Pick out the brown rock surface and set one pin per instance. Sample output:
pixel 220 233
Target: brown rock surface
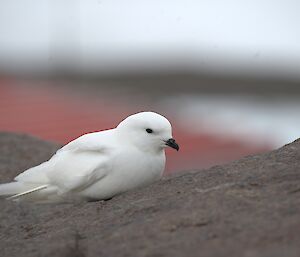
pixel 249 207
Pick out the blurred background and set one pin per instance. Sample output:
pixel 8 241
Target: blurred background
pixel 226 73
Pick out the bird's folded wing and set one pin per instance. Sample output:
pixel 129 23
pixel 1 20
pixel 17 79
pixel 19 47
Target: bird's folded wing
pixel 68 171
pixel 72 168
pixel 68 181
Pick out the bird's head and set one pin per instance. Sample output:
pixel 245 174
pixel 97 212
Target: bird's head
pixel 148 131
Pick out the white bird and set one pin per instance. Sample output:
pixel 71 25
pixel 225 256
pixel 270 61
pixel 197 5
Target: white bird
pixel 100 165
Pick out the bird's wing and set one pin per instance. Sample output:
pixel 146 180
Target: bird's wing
pixel 74 167
pixel 75 171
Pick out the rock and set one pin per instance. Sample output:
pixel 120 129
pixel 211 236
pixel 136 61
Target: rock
pixel 249 207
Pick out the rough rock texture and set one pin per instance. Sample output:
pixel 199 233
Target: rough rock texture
pixel 250 208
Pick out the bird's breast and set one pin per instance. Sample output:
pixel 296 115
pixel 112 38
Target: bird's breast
pixel 140 168
pixel 129 170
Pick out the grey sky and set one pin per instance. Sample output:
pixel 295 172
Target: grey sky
pixel 207 34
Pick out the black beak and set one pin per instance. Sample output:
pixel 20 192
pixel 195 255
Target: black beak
pixel 172 143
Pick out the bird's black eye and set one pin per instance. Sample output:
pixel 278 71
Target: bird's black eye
pixel 149 130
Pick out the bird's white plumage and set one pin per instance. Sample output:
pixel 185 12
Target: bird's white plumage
pixel 98 165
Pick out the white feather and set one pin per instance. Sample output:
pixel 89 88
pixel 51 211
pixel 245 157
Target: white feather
pixel 98 165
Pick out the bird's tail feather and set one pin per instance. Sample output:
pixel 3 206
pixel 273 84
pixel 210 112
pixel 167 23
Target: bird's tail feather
pixel 16 196
pixel 18 189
